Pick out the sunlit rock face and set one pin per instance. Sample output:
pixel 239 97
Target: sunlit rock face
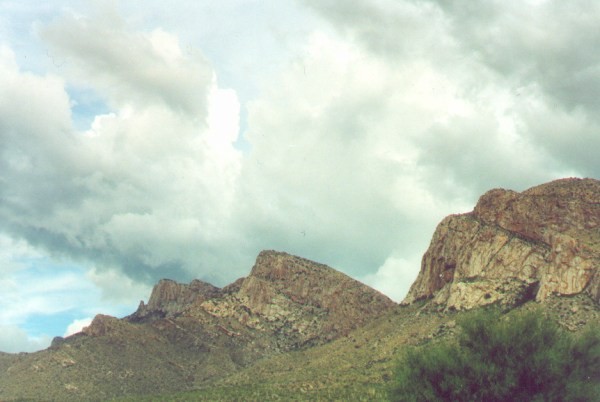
pixel 516 246
pixel 319 301
pixel 297 301
pixel 170 298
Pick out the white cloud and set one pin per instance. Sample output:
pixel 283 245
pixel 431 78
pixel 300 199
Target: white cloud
pixel 223 117
pixel 148 187
pixel 25 294
pixel 39 295
pixel 117 288
pixel 13 255
pixel 131 67
pixel 390 115
pixel 49 291
pixel 77 325
pixel 30 292
pixel 14 339
pixel 336 152
pixel 394 277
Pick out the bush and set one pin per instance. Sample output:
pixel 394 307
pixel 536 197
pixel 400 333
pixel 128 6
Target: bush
pixel 522 357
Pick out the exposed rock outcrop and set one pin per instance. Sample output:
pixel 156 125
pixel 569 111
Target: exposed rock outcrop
pixel 296 291
pixel 299 302
pixel 515 246
pixel 170 298
pixel 101 325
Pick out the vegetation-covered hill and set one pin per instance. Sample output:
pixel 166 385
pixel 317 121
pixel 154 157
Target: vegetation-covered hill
pixel 362 365
pixel 191 334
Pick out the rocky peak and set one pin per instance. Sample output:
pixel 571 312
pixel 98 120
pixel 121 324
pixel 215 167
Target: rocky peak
pixel 569 206
pixel 308 283
pixel 169 297
pixel 102 325
pixel 296 300
pixel 277 266
pixel 543 241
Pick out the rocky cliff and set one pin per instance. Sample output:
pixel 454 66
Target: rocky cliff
pixel 516 246
pixel 299 301
pixel 169 298
pixel 281 286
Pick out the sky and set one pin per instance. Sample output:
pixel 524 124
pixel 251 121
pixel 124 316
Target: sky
pixel 142 140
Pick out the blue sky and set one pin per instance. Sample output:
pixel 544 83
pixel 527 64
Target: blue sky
pixel 140 141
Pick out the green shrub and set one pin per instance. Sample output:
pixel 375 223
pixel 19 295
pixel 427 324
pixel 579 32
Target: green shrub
pixel 522 357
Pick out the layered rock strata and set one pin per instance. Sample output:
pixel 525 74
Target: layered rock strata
pixel 516 246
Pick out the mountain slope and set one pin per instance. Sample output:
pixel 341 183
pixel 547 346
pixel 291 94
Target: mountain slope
pixel 532 250
pixel 188 334
pixel 296 329
pixel 360 366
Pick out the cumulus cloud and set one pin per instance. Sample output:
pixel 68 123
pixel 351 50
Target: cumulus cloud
pixel 131 67
pixel 468 98
pixel 550 43
pixel 14 339
pixel 41 297
pixel 53 292
pixel 393 277
pixel 148 186
pixel 32 295
pixel 77 325
pixel 333 171
pixel 391 29
pixel 391 115
pixel 545 51
pixel 118 288
pixel 520 67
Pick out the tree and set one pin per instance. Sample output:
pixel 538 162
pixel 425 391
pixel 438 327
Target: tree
pixel 518 357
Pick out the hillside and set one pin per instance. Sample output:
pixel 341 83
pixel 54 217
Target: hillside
pixel 359 367
pixel 296 329
pixel 189 334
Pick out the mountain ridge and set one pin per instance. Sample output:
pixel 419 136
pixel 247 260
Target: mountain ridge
pixel 305 327
pixel 188 334
pixel 277 281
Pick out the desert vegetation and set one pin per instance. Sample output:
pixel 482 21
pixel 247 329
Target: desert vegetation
pixel 519 357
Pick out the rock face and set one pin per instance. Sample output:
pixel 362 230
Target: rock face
pixel 516 246
pixel 169 298
pixel 297 301
pixel 295 291
pixel 102 325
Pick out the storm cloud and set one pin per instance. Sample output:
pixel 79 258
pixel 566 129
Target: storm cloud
pixel 346 132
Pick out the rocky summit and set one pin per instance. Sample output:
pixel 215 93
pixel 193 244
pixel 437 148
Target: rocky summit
pixel 516 246
pixel 298 301
pixel 188 334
